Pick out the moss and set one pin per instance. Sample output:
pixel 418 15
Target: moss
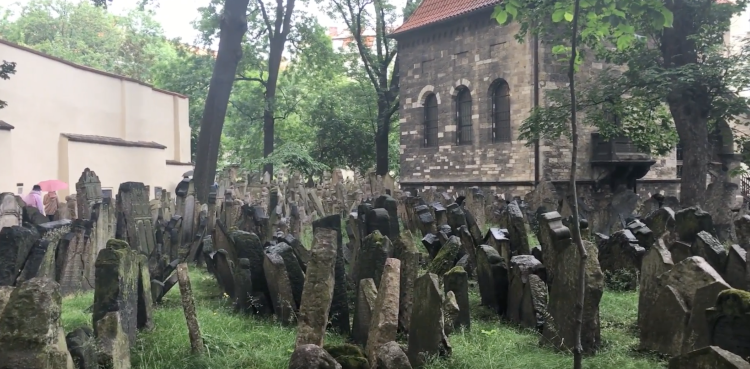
pixel 733 302
pixel 116 244
pixel 344 350
pixel 457 269
pixel 353 362
pixel 445 258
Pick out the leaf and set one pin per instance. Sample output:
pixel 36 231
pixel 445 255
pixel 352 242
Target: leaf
pixel 568 17
pixel 668 17
pixel 511 10
pixel 558 15
pixel 501 16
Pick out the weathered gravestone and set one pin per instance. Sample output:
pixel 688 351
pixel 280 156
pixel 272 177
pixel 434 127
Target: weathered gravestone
pixel 16 243
pixel 729 322
pixel 446 257
pixel 661 222
pixel 31 334
pixel 340 305
pixel 691 221
pixel 77 256
pixel 391 206
pixel 372 255
pixel 450 312
pixel 492 276
pixel 11 213
pixel 5 292
pixel 515 223
pixel 735 272
pixel 317 294
pixel 384 319
pixel 457 281
pixel 561 257
pixel 666 328
pixel 527 292
pixel 642 233
pixel 88 193
pixel 113 345
pixel 366 296
pixel 409 255
pixel 742 229
pixel 392 356
pixel 709 248
pixel 134 218
pixel 118 276
pixel 293 269
pixel 82 346
pixel 426 333
pixel 622 254
pixel 710 357
pixel 248 246
pixel 280 287
pixel 656 262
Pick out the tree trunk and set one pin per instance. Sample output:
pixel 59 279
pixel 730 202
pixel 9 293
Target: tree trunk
pixel 689 104
pixel 576 223
pixel 381 145
pixel 233 27
pixel 278 35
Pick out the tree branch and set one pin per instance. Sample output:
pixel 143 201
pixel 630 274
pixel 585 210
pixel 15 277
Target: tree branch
pixel 266 19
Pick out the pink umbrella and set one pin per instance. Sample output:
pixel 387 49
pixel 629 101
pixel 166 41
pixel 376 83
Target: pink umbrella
pixel 53 185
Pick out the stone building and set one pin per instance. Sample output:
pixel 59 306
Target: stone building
pixel 466 87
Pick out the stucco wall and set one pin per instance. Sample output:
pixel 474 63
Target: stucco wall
pixel 7 184
pixel 48 97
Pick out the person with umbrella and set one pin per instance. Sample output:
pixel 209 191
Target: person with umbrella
pixel 50 199
pixel 34 198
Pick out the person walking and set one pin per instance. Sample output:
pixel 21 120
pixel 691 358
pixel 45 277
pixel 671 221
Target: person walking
pixel 50 205
pixel 34 198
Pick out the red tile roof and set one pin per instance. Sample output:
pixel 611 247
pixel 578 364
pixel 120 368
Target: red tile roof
pixel 433 11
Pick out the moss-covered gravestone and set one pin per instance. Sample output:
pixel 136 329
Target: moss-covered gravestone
pixel 492 276
pixel 409 256
pixel 280 287
pixel 446 257
pixel 457 281
pixel 117 276
pixel 372 255
pixel 366 296
pixel 426 333
pixel 729 322
pixel 527 292
pixel 16 243
pixel 709 248
pixel 31 335
pixel 691 221
pixel 318 292
pixel 661 222
pixel 340 304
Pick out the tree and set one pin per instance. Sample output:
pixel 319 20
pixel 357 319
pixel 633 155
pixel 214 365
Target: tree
pixel 380 64
pixel 233 28
pixel 605 23
pixel 6 69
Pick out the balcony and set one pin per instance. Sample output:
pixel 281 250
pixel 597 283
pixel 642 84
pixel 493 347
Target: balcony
pixel 619 159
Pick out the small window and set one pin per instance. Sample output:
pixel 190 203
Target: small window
pixel 678 151
pixel 463 117
pixel 431 121
pixel 679 171
pixel 501 113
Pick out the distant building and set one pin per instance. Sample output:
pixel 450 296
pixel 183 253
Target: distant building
pixel 343 39
pixel 466 87
pixel 62 118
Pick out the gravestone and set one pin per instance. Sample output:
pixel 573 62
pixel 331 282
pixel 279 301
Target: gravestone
pixel 735 272
pixel 456 217
pixel 642 233
pixel 11 213
pixel 742 229
pixel 294 271
pixel 561 257
pixel 384 319
pixel 31 334
pixel 661 222
pixel 77 272
pixel 317 294
pixel 710 357
pixel 492 276
pixel 729 322
pixel 5 292
pixel 392 356
pixel 704 299
pixel 656 262
pixel 709 248
pixel 391 206
pixel 516 226
pixel 621 252
pixel 279 287
pixel 82 346
pixel 680 251
pixel 248 246
pixel 691 221
pixel 134 218
pixel 457 282
pixel 527 292
pixel 366 296
pixel 409 256
pixel 16 243
pixel 340 305
pixel 373 253
pixel 88 193
pixel 310 356
pixel 117 274
pixel 446 257
pixel 113 345
pixel 450 312
pixel 426 332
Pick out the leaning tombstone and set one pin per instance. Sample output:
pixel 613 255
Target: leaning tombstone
pixel 366 296
pixel 527 292
pixel 710 357
pixel 457 281
pixel 340 305
pixel 384 319
pixel 116 288
pixel 426 333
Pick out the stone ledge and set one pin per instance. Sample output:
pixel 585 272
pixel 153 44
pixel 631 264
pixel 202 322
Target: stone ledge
pixel 111 141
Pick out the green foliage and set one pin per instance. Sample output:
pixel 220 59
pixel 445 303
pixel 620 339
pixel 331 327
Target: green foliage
pixel 6 69
pixel 293 157
pixel 621 280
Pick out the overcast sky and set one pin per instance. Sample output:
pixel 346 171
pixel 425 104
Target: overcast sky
pixel 176 16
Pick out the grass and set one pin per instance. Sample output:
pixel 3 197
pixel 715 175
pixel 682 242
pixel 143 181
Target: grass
pixel 236 341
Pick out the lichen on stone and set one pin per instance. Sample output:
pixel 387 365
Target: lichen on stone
pixel 733 302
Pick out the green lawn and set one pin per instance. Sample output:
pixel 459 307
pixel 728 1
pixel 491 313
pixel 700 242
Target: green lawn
pixel 249 343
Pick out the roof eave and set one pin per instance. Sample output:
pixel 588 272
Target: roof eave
pixel 397 34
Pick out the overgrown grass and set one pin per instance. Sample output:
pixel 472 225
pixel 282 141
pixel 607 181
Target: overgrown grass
pixel 236 341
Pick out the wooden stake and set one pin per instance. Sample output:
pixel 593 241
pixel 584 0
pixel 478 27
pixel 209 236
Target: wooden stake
pixel 188 305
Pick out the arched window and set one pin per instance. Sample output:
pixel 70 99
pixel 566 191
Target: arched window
pixel 430 121
pixel 501 112
pixel 463 117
